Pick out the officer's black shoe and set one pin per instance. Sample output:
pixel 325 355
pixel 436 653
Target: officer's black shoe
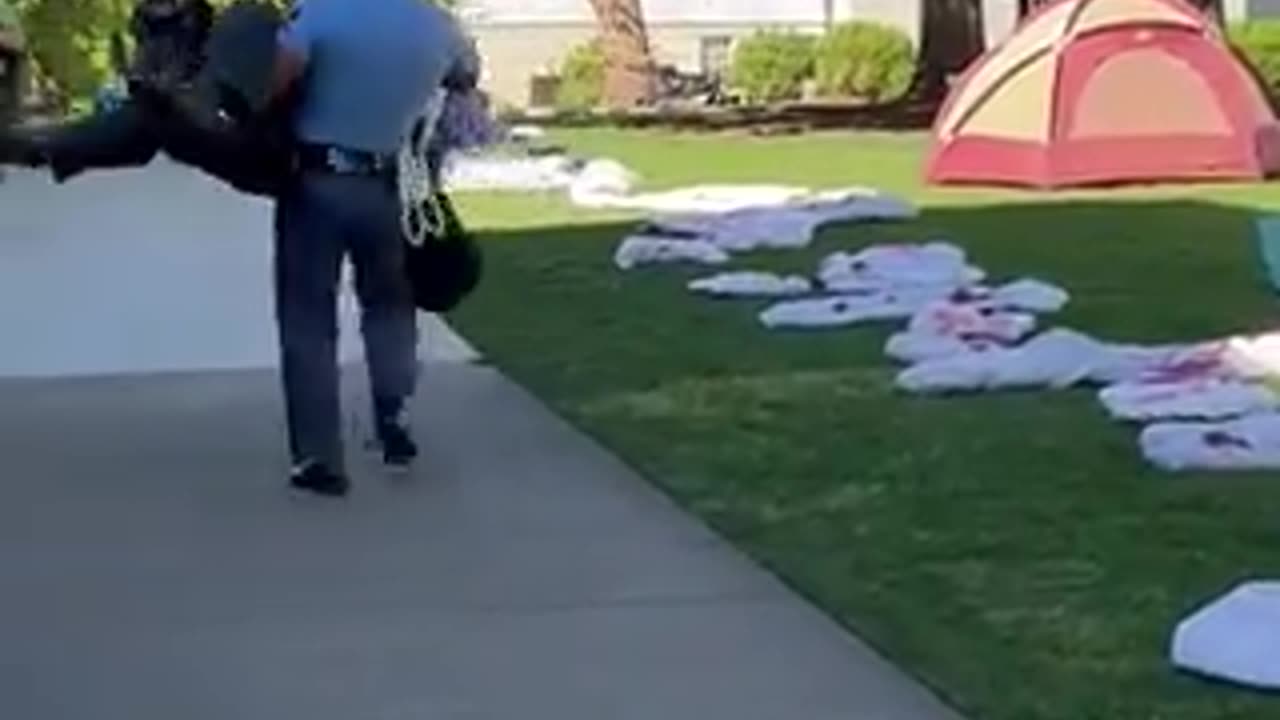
pixel 398 447
pixel 394 436
pixel 316 478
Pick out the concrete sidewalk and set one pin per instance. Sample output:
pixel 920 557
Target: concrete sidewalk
pixel 153 566
pixel 148 270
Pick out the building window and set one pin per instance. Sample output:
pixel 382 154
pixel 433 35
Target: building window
pixel 715 54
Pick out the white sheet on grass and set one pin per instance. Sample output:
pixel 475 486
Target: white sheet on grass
pixel 471 171
pixel 938 265
pixel 598 187
pixel 1253 356
pixel 1247 443
pixel 1029 295
pixel 748 283
pixel 697 199
pixel 1061 358
pixel 1236 638
pixel 640 250
pixel 1210 398
pixel 915 348
pixel 945 329
pixel 743 230
pixel 1055 359
pixel 781 225
pixel 495 169
pixel 901 281
pixel 844 310
pixel 980 320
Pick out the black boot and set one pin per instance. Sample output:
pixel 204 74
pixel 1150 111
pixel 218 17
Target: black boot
pixel 115 139
pixel 22 148
pixel 318 479
pixel 394 435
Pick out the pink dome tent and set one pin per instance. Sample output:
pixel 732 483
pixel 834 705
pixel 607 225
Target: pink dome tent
pixel 1096 92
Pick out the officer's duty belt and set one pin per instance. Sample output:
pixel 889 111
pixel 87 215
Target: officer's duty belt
pixel 343 161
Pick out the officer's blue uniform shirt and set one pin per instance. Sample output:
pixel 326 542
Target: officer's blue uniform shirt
pixel 372 65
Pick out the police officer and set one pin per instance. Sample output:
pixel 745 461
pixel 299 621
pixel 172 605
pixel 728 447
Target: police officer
pixel 366 68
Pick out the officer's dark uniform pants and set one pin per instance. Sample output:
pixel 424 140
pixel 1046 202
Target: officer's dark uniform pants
pixel 324 218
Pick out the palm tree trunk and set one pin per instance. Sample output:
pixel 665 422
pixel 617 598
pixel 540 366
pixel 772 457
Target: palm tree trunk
pixel 1026 6
pixel 951 37
pixel 1213 8
pixel 629 66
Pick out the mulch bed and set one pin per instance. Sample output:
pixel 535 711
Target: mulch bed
pixel 911 114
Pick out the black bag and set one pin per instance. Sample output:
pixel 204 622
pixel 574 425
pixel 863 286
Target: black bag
pixel 447 266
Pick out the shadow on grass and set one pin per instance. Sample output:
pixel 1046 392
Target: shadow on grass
pixel 553 303
pixel 907 114
pixel 1010 549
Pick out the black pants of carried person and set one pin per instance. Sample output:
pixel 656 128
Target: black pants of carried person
pixel 251 158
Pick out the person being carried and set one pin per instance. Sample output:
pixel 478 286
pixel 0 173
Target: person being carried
pixel 196 89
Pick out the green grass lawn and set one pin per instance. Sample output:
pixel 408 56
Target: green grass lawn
pixel 1012 550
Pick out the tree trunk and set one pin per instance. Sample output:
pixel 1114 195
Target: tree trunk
pixel 629 67
pixel 1213 8
pixel 1026 7
pixel 951 37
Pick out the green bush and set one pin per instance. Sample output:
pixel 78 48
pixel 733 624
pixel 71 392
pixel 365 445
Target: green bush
pixel 69 41
pixel 865 60
pixel 582 78
pixel 772 65
pixel 1259 42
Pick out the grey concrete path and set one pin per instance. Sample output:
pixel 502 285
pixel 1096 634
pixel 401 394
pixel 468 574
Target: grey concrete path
pixel 143 271
pixel 152 567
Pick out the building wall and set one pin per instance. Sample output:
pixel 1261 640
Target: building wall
pixel 703 12
pixel 1240 10
pixel 514 54
pixel 522 38
pixel 902 14
pixel 1263 9
pixel 999 19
